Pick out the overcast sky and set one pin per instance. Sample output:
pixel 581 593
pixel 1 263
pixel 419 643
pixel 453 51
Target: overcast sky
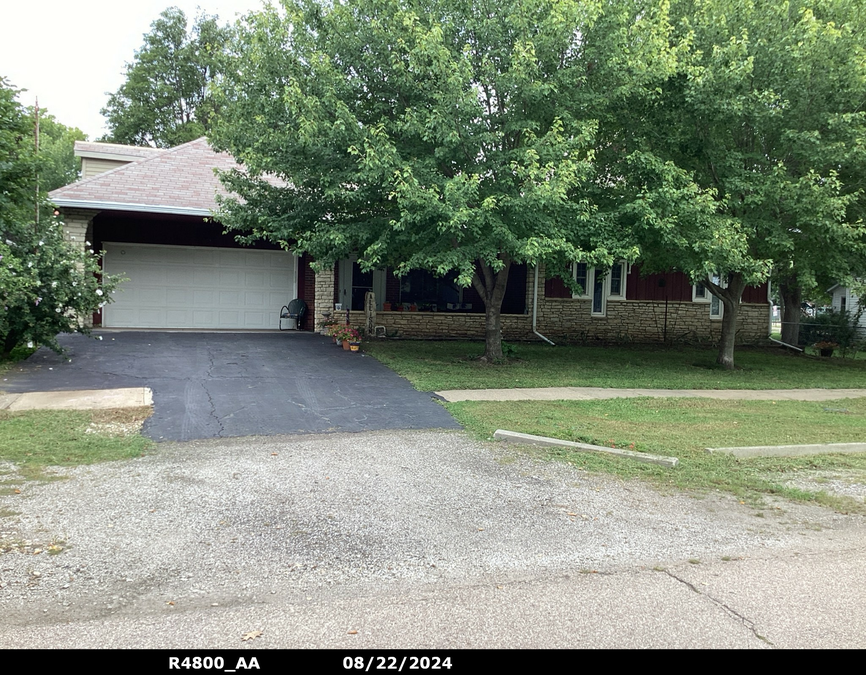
pixel 72 54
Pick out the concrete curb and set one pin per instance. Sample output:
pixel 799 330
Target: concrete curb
pixel 529 439
pixel 83 399
pixel 792 450
pixel 596 393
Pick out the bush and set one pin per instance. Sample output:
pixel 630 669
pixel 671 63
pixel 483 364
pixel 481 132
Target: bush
pixel 835 327
pixel 50 286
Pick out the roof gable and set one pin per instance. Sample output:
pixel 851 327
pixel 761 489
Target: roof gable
pixel 180 180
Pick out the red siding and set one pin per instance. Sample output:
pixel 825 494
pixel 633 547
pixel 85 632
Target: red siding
pixel 673 286
pixel 555 287
pixel 756 294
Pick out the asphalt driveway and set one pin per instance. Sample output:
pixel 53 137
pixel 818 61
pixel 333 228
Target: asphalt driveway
pixel 219 385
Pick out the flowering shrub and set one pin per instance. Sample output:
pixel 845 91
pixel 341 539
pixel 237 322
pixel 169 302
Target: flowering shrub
pixel 47 286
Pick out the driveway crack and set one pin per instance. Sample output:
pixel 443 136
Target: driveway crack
pixel 207 378
pixel 748 623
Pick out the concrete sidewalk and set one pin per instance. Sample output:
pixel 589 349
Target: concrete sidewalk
pixel 595 393
pixel 82 399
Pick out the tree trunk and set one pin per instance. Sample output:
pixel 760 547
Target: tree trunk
pixel 9 343
pixel 730 295
pixel 791 296
pixel 490 286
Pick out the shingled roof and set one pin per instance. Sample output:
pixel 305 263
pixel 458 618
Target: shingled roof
pixel 180 181
pixel 114 151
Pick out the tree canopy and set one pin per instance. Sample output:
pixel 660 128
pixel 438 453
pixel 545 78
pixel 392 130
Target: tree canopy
pixel 443 135
pixel 749 156
pixel 165 101
pixel 58 164
pixel 47 284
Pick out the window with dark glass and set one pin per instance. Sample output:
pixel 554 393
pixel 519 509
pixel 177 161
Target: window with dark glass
pixel 616 280
pixel 598 292
pixel 580 271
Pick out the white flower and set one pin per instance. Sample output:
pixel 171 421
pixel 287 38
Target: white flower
pixel 74 283
pixel 58 309
pixel 38 300
pixel 41 243
pixel 30 264
pixel 102 304
pixel 30 345
pixel 87 243
pixel 98 291
pixel 53 284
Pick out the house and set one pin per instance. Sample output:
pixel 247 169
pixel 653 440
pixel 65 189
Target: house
pixel 845 299
pixel 150 212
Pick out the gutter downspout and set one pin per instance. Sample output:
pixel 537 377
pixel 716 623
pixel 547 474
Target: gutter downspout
pixel 535 310
pixel 784 344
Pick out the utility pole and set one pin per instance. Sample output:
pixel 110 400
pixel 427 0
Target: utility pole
pixel 36 147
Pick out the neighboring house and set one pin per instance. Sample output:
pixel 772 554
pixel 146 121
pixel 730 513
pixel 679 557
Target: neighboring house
pixel 151 215
pixel 846 300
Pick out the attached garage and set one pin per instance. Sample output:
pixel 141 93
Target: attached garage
pixel 198 287
pixel 153 216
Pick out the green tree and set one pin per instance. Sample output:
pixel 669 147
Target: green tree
pixel 58 166
pixel 751 154
pixel 46 284
pixel 164 101
pixel 446 136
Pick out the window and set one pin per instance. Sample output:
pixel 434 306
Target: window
pixel 600 285
pixel 617 280
pixel 701 293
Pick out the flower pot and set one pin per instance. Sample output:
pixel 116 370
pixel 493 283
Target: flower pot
pixel 346 345
pixel 354 346
pixel 386 306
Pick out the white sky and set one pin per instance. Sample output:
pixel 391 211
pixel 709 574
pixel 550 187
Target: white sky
pixel 72 54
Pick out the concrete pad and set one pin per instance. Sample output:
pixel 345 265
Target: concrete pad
pixel 595 393
pixel 82 399
pixel 7 399
pixel 530 439
pixel 793 450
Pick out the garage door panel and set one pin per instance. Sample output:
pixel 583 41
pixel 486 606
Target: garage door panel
pixel 151 318
pixel 255 319
pixel 254 280
pixel 151 296
pixel 189 287
pixel 228 319
pixel 230 278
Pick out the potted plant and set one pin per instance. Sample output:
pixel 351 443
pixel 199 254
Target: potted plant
pixel 326 326
pixel 826 347
pixel 386 306
pixel 349 336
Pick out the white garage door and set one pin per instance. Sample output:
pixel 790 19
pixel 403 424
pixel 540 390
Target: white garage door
pixel 198 287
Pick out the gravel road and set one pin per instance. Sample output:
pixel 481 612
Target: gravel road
pixel 409 538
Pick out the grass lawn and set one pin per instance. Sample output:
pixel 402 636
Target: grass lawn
pixel 36 439
pixel 683 428
pixel 432 366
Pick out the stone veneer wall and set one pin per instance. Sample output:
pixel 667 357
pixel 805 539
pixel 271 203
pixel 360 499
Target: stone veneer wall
pixel 78 225
pixel 324 297
pixel 569 319
pixel 78 230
